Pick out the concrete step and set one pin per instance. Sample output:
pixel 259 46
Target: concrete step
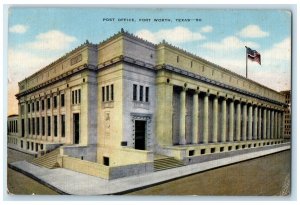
pixel 48 160
pixel 166 163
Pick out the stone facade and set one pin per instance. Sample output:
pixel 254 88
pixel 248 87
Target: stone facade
pixel 287 114
pixel 124 100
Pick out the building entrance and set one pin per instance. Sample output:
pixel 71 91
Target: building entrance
pixel 140 134
pixel 76 131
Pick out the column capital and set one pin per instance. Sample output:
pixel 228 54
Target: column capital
pixel 197 91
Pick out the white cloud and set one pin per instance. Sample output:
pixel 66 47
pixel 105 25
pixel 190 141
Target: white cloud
pixel 178 34
pixel 253 31
pixel 206 29
pixel 20 65
pixel 279 51
pixel 18 29
pixel 274 72
pixel 52 40
pixel 228 44
pixel 24 63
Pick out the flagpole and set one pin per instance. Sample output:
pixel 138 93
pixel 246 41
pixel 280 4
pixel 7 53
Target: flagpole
pixel 246 63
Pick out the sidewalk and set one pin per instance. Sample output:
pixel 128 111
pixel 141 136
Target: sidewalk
pixel 70 182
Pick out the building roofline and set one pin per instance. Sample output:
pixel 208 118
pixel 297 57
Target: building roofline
pixel 66 55
pixel 164 43
pixel 122 32
pixel 13 115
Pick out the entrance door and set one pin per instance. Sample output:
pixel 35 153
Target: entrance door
pixel 76 122
pixel 140 134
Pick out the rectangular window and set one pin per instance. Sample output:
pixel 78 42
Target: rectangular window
pixel 21 143
pixel 73 97
pixel 16 126
pixel 106 161
pixel 55 125
pixel 32 107
pixel 27 145
pixel 112 92
pixel 62 100
pixel 38 126
pixel 43 104
pixel 33 126
pixel 141 92
pixel 23 127
pixel 107 93
pixel 134 92
pixel 48 103
pixel 37 105
pixel 49 125
pixel 147 94
pixel 55 101
pixel 79 96
pixel 31 145
pixel 43 126
pixel 62 118
pixel 28 125
pixel 28 107
pixel 103 93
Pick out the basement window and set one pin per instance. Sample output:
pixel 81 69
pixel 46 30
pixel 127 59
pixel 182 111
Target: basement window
pixel 229 148
pixel 212 150
pixel 237 147
pixel 221 149
pixel 202 151
pixel 106 161
pixel 243 146
pixel 249 145
pixel 191 152
pixel 254 145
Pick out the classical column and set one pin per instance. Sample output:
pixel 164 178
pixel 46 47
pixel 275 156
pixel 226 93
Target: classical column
pixel 231 120
pixel 255 123
pixel 282 124
pixel 250 123
pixel 182 115
pixel 238 121
pixel 244 128
pixel 215 119
pixel 269 124
pixel 272 125
pixel 195 117
pixel 259 123
pixel 265 124
pixel 205 119
pixel 224 119
pixel 279 125
pixel 275 125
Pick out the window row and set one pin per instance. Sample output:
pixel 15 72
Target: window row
pixel 12 140
pixel 37 146
pixel 76 96
pixel 35 124
pixel 36 106
pixel 140 93
pixel 108 93
pixel 12 126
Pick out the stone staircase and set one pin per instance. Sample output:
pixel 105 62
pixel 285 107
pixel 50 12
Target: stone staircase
pixel 166 163
pixel 48 160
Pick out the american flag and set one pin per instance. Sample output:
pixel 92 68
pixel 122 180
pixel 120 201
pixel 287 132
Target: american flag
pixel 253 55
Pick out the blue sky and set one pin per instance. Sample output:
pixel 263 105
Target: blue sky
pixel 37 36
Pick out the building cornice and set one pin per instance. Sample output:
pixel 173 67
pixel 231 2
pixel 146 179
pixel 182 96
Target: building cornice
pixel 191 55
pixel 216 83
pixel 58 78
